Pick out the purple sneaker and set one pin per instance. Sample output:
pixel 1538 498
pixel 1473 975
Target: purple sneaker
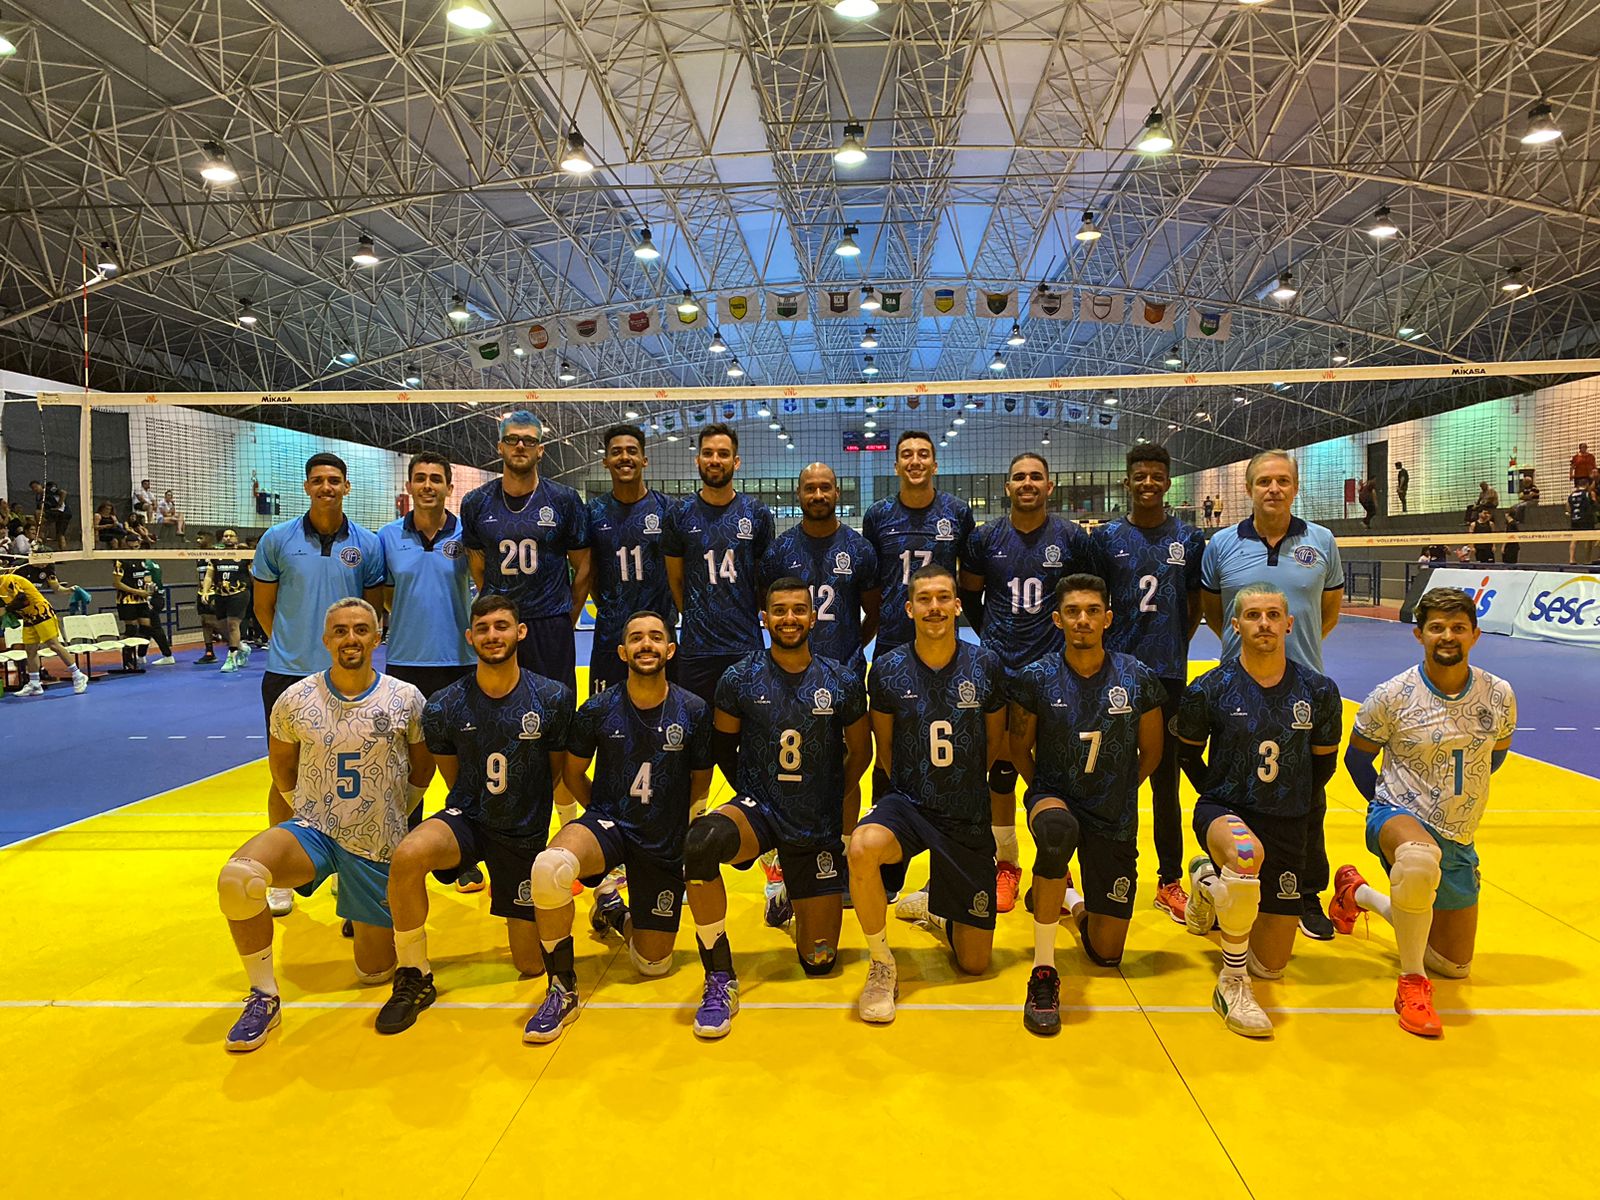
pixel 718 1003
pixel 259 1018
pixel 610 914
pixel 560 1009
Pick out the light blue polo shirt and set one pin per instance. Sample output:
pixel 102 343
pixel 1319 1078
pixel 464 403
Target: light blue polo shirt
pixel 312 571
pixel 431 605
pixel 1304 565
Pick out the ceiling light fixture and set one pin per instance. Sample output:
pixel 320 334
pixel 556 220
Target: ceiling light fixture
pixel 468 15
pixel 1088 231
pixel 518 351
pixel 717 346
pixel 1110 401
pixel 566 374
pixel 735 371
pixel 1045 440
pixel 458 310
pixel 1340 353
pixel 106 262
pixel 348 357
pixel 1285 290
pixel 764 412
pixel 869 367
pixel 775 427
pixel 1383 226
pixel 1542 127
pixel 1406 331
pixel 1513 282
pixel 646 250
pixel 413 378
pixel 1174 357
pixel 1016 337
pixel 688 306
pixel 366 254
pixel 851 153
pixel 631 414
pixel 847 247
pixel 959 421
pixel 247 314
pixel 215 168
pixel 869 299
pixel 869 339
pixel 997 363
pixel 856 10
pixel 7 46
pixel 1154 137
pixel 575 160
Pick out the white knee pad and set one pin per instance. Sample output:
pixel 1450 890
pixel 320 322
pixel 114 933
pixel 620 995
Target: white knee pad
pixel 374 978
pixel 553 872
pixel 1260 970
pixel 1238 899
pixel 1414 878
pixel 1438 964
pixel 242 888
pixel 647 968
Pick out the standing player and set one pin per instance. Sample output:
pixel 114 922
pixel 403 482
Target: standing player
pixel 626 527
pixel 1273 727
pixel 1009 571
pixel 837 563
pixel 1444 728
pixel 791 732
pixel 1086 726
pixel 713 547
pixel 346 743
pixel 40 627
pixel 1152 562
pixel 499 739
pixel 302 566
pixel 938 719
pixel 135 585
pixel 650 741
pixel 228 581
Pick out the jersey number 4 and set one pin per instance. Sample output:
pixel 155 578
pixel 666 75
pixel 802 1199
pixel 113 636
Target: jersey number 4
pixel 640 790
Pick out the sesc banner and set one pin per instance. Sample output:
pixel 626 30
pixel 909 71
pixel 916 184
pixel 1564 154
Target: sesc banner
pixel 1561 607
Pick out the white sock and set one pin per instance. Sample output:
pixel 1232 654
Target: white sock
pixel 1071 902
pixel 878 946
pixel 76 670
pixel 567 812
pixel 710 932
pixel 33 677
pixel 258 967
pixel 411 948
pixel 1005 843
pixel 1044 944
pixel 1374 901
pixel 1411 938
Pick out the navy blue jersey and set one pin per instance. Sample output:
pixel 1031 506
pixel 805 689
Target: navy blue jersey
pixel 905 539
pixel 721 548
pixel 625 548
pixel 1261 738
pixel 1020 572
pixel 1151 573
pixel 524 541
pixel 1086 746
pixel 839 568
pixel 940 747
pixel 643 759
pixel 791 740
pixel 502 750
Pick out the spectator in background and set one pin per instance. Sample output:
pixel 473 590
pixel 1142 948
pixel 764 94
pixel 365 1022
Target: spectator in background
pixel 17 543
pixel 1434 553
pixel 168 516
pixel 1462 553
pixel 36 489
pixel 1402 483
pixel 1488 498
pixel 1483 524
pixel 1515 515
pixel 1581 471
pixel 1581 514
pixel 1209 507
pixel 1367 494
pixel 138 532
pixel 107 529
pixel 1216 514
pixel 144 500
pixel 55 524
pixel 1529 494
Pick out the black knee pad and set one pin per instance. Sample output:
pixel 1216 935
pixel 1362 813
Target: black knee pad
pixel 710 842
pixel 1002 777
pixel 1095 956
pixel 819 966
pixel 1055 833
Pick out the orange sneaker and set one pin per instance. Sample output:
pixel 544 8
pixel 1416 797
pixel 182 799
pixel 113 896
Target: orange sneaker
pixel 1413 1000
pixel 769 864
pixel 1343 909
pixel 1171 900
pixel 1007 880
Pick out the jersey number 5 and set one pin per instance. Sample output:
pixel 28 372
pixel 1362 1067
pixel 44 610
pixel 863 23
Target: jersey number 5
pixel 348 786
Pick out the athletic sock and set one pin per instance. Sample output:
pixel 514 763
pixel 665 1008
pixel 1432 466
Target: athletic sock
pixel 1044 944
pixel 1071 902
pixel 1005 843
pixel 1237 899
pixel 258 968
pixel 558 961
pixel 411 948
pixel 878 946
pixel 1411 938
pixel 33 677
pixel 715 953
pixel 1374 901
pixel 567 812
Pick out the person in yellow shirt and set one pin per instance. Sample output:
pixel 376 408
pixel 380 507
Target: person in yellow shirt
pixel 24 601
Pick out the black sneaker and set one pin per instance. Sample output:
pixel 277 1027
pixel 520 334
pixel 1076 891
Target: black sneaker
pixel 1314 923
pixel 413 992
pixel 207 657
pixel 1041 1013
pixel 610 914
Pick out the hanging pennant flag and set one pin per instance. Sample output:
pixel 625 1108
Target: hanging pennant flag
pixel 834 302
pixel 788 306
pixel 997 304
pixel 730 410
pixel 1074 414
pixel 894 304
pixel 588 329
pixel 821 402
pixel 1045 409
pixel 913 401
pixel 486 352
pixel 1050 305
pixel 948 400
pixel 1209 324
pixel 680 322
pixel 790 406
pixel 1153 314
pixel 1105 418
pixel 1104 310
pixel 669 422
pixel 740 308
pixel 639 322
pixel 537 336
pixel 1010 404
pixel 944 301
pixel 698 416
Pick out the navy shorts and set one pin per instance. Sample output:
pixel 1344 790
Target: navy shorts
pixel 960 859
pixel 274 685
pixel 231 608
pixel 1108 867
pixel 548 650
pixel 1282 849
pixel 809 870
pixel 510 866
pixel 427 680
pixel 655 888
pixel 701 674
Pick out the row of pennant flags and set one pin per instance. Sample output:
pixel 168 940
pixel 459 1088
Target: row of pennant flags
pixel 1205 322
pixel 1036 408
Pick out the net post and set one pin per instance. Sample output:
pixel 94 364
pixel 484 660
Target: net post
pixel 85 478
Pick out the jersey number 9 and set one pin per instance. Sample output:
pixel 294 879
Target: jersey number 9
pixel 494 772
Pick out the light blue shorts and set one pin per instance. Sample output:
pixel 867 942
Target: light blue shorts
pixel 1460 878
pixel 363 884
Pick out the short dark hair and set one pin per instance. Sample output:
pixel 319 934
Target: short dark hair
pixel 1043 461
pixel 1445 600
pixel 428 456
pixel 1149 452
pixel 784 583
pixel 617 431
pixel 913 435
pixel 493 602
pixel 326 460
pixel 1082 581
pixel 672 634
pixel 931 570
pixel 718 429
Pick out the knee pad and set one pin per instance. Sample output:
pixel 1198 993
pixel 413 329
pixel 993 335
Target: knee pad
pixel 1414 878
pixel 372 979
pixel 1055 834
pixel 551 878
pixel 242 888
pixel 1003 777
pixel 819 961
pixel 1245 846
pixel 699 808
pixel 710 842
pixel 646 967
pixel 1259 969
pixel 1098 959
pixel 1237 898
pixel 1438 964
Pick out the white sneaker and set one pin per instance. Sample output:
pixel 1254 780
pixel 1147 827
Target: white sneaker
pixel 1235 1002
pixel 913 906
pixel 882 990
pixel 32 688
pixel 166 660
pixel 232 663
pixel 80 683
pixel 280 901
pixel 244 653
pixel 1201 913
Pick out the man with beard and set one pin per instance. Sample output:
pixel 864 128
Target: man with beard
pixel 713 546
pixel 1444 727
pixel 791 733
pixel 228 580
pixel 650 742
pixel 499 739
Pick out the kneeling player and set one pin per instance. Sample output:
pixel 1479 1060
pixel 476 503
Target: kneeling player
pixel 346 746
pixel 1086 731
pixel 1444 728
pixel 1273 726
pixel 791 731
pixel 650 741
pixel 499 739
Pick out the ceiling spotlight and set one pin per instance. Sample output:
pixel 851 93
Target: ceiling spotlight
pixel 1045 440
pixel 1202 415
pixel 1174 357
pixel 869 423
pixel 1241 399
pixel 959 421
pixel 7 46
pixel 518 351
pixel 575 161
pixel 1172 425
pixel 1513 282
pixel 348 357
pixel 851 153
pixel 215 167
pixel 1340 353
pixel 247 314
pixel 869 339
pixel 458 309
pixel 763 412
pixel 775 427
pixel 366 254
pixel 688 305
pixel 413 378
pixel 847 247
pixel 631 414
pixel 1110 402
pixel 997 363
pixel 856 10
pixel 869 367
pixel 1016 338
pixel 672 437
pixel 1088 231
pixel 735 371
pixel 950 433
pixel 1542 128
pixel 1383 226
pixel 788 445
pixel 106 261
pixel 468 15
pixel 1154 138
pixel 943 444
pixel 646 249
pixel 566 374
pixel 971 404
pixel 1406 331
pixel 717 346
pixel 1285 290
pixel 869 299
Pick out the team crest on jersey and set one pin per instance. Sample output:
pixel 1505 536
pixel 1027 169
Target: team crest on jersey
pixel 350 556
pixel 1288 886
pixel 547 515
pixel 1302 715
pixel 823 699
pixel 980 904
pixel 825 867
pixel 664 902
pixel 1119 890
pixel 674 737
pixel 1485 719
pixel 967 694
pixel 1306 556
pixel 530 727
pixel 453 549
pixel 945 530
pixel 1117 701
pixel 747 528
pixel 1175 553
pixel 380 723
pixel 841 563
pixel 1052 556
pixel 525 893
pixel 652 523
